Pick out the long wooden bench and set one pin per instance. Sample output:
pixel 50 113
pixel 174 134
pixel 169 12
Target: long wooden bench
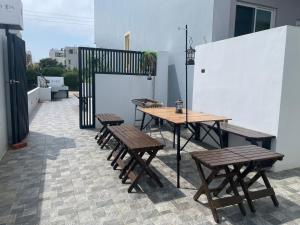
pixel 135 143
pixel 254 137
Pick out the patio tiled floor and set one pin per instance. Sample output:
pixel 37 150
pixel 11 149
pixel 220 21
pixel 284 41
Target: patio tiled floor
pixel 63 177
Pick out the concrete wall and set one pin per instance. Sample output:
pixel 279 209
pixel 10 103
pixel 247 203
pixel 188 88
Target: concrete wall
pixel 243 79
pixel 3 118
pixel 115 92
pixel 153 26
pixel 254 79
pixel 289 122
pixel 33 99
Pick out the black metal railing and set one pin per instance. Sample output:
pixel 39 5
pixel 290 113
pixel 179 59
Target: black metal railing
pixel 112 61
pixel 105 61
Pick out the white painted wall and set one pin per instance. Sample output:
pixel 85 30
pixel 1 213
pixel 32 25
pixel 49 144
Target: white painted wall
pixel 153 26
pixel 289 122
pixel 115 92
pixel 45 94
pixel 254 79
pixel 33 99
pixel 243 79
pixel 3 118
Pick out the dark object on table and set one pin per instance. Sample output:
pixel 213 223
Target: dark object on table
pixel 179 106
pixel 147 103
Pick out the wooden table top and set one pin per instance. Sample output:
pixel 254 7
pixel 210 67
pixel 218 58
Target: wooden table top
pixel 134 139
pixel 235 156
pixel 169 114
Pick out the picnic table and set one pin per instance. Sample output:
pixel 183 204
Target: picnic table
pixel 229 163
pixel 134 142
pixel 177 120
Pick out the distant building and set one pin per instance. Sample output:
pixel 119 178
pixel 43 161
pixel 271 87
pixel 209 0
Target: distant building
pixel 71 54
pixel 28 58
pixel 59 55
pixel 67 56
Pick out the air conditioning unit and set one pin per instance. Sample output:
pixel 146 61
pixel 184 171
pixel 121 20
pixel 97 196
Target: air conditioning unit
pixel 11 14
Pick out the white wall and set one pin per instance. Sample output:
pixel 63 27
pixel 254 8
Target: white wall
pixel 115 92
pixel 289 123
pixel 3 119
pixel 243 79
pixel 33 99
pixel 153 26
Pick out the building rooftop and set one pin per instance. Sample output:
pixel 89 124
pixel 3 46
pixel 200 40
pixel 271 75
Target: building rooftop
pixel 63 177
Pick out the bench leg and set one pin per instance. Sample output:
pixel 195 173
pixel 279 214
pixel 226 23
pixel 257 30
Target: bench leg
pixel 107 140
pixel 122 149
pixel 121 157
pixel 99 133
pixel 104 135
pixel 144 168
pixel 131 168
pixel 112 152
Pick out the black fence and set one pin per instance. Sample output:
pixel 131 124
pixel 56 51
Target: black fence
pixel 17 88
pixel 105 61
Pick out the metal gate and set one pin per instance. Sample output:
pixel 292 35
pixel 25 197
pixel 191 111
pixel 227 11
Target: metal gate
pixel 17 88
pixel 104 61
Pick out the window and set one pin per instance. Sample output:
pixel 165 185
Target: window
pixel 70 51
pixel 127 41
pixel 251 18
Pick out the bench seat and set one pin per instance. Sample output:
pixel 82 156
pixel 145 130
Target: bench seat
pixel 250 135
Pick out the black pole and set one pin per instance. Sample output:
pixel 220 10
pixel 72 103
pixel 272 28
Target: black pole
pixel 186 74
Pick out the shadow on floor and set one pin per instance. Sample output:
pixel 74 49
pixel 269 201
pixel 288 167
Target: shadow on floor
pixel 22 176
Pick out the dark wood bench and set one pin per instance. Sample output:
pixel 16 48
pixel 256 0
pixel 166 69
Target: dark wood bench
pixel 229 164
pixel 106 120
pixel 254 137
pixel 135 143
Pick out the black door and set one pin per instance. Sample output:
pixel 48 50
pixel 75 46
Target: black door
pixel 17 88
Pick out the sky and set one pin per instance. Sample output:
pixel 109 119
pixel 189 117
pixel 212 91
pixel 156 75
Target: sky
pixel 57 24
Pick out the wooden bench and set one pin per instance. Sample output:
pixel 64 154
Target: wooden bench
pixel 228 164
pixel 106 120
pixel 254 137
pixel 135 143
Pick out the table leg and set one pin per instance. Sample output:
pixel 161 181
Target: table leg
pixel 234 189
pixel 240 179
pixel 143 121
pixel 220 134
pixel 197 131
pixel 268 185
pixel 178 128
pixel 174 136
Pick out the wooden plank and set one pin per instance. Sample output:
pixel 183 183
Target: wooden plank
pixel 261 193
pixel 169 114
pixel 134 139
pixel 223 202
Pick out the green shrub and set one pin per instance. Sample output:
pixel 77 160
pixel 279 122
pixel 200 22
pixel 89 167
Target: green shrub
pixel 72 79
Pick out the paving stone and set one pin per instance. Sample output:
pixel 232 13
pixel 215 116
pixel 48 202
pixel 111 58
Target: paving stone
pixel 63 177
